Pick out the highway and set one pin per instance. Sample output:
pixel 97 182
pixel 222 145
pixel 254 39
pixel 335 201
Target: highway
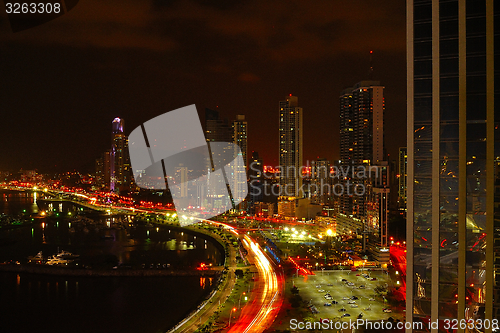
pixel 267 298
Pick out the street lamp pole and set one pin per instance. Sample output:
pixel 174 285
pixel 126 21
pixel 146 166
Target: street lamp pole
pixel 230 314
pixel 239 302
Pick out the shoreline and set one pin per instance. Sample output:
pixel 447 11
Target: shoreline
pixel 221 280
pixel 224 283
pixel 88 272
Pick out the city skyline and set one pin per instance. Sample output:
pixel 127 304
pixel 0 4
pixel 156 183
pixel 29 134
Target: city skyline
pixel 85 80
pixel 300 162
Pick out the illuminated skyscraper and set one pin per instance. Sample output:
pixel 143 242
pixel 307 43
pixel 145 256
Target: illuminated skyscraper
pixel 256 178
pixel 291 143
pixel 240 135
pixel 216 128
pixel 361 136
pixel 120 175
pixel 453 202
pixel 320 181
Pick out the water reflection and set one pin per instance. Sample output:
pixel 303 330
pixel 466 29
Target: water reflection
pixel 107 305
pixel 97 238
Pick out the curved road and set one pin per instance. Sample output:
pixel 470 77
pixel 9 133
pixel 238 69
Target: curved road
pixel 267 298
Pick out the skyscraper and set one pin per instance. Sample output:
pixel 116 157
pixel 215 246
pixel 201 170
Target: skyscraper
pixel 240 135
pixel 361 136
pixel 365 196
pixel 103 170
pixel 320 181
pixel 453 211
pixel 256 177
pixel 120 172
pixel 291 143
pixel 216 128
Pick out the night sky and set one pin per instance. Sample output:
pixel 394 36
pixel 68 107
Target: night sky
pixel 62 83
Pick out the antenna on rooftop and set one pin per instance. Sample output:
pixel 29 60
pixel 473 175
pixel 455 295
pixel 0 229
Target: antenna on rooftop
pixel 370 73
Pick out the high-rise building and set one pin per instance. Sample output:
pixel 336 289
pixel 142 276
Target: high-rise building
pixel 256 177
pixel 240 135
pixel 216 128
pixel 365 196
pixel 320 181
pixel 291 143
pixel 402 176
pixel 120 170
pixel 453 133
pixel 361 137
pixel 362 123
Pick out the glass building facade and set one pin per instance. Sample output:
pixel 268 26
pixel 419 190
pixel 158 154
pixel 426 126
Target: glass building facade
pixel 291 146
pixel 453 161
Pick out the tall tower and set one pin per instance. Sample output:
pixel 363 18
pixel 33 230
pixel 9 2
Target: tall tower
pixel 290 147
pixel 320 181
pixel 255 175
pixel 217 129
pixel 453 133
pixel 120 175
pixel 240 135
pixel 361 136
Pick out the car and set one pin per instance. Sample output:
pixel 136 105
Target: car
pixel 351 302
pixel 354 297
pixel 362 286
pixel 387 310
pixel 328 298
pixel 346 315
pixel 330 285
pixel 345 298
pixel 313 309
pixel 318 286
pixel 371 299
pixel 335 302
pixel 327 304
pixel 373 279
pixel 321 291
pixel 358 274
pixel 342 310
pixel 344 280
pixel 350 284
pixel 354 305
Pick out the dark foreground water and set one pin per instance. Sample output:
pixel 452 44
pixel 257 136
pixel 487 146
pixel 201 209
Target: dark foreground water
pixel 38 303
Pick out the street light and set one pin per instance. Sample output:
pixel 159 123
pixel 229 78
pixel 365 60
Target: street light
pixel 230 314
pixel 239 302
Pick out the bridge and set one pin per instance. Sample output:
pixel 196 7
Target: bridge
pixel 60 205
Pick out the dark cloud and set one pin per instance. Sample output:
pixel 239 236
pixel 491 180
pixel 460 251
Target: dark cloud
pixel 248 77
pixel 138 59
